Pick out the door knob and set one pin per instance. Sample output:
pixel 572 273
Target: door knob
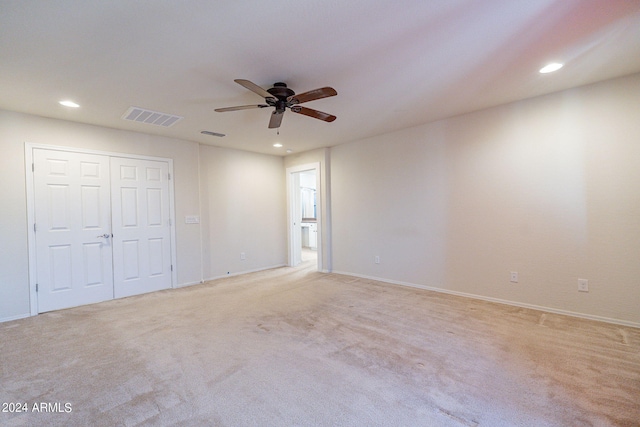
pixel 105 235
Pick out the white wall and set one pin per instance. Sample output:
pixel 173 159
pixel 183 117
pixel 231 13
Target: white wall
pixel 16 129
pixel 243 211
pixel 548 187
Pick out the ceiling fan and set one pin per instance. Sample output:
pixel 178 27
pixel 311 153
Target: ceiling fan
pixel 281 97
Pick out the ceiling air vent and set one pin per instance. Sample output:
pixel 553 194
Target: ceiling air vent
pixel 142 115
pixel 208 132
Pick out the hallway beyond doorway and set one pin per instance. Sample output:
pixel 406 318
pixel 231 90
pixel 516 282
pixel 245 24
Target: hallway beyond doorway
pixel 309 255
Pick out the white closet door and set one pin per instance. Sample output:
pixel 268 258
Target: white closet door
pixel 141 227
pixel 73 233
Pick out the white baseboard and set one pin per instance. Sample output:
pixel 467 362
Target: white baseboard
pixel 184 285
pixel 19 316
pixel 498 300
pixel 239 273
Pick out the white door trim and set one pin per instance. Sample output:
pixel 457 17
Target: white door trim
pixel 31 235
pixel 290 210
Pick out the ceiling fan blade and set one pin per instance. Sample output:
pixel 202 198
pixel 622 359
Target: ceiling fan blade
pixel 312 95
pixel 240 107
pixel 276 119
pixel 313 113
pixel 254 88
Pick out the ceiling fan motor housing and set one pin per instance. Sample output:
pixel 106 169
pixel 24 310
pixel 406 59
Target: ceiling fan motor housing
pixel 281 92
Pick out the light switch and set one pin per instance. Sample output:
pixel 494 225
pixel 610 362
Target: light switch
pixel 192 219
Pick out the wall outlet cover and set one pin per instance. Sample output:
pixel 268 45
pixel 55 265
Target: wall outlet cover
pixel 583 285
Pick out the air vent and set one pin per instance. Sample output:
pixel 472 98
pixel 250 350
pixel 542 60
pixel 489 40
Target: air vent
pixel 208 132
pixel 142 115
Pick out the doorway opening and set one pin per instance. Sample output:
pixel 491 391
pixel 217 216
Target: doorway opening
pixel 304 200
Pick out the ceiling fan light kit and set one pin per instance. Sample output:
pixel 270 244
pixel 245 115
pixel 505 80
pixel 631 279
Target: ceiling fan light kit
pixel 281 97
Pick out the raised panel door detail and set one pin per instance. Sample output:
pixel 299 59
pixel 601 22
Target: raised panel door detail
pixel 57 167
pixel 89 170
pixel 154 207
pixel 93 265
pixel 129 207
pixel 130 260
pixel 128 173
pixel 156 265
pixel 61 268
pixel 58 203
pixel 154 174
pixel 91 209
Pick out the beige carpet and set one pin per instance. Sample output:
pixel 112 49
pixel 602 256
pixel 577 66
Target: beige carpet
pixel 297 347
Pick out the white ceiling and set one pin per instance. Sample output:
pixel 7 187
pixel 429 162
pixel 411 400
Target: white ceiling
pixel 395 64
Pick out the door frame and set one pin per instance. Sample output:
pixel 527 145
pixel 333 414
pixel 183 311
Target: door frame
pixel 291 197
pixel 31 234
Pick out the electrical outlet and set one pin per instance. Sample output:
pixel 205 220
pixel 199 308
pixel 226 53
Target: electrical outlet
pixel 376 259
pixel 583 285
pixel 513 277
pixel 243 256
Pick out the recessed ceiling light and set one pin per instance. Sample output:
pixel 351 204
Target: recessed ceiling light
pixel 550 68
pixel 68 103
pixel 277 145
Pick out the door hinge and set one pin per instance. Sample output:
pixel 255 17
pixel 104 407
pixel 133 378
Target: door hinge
pixel 172 268
pixel 33 167
pixel 169 175
pixel 34 227
pixel 36 287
